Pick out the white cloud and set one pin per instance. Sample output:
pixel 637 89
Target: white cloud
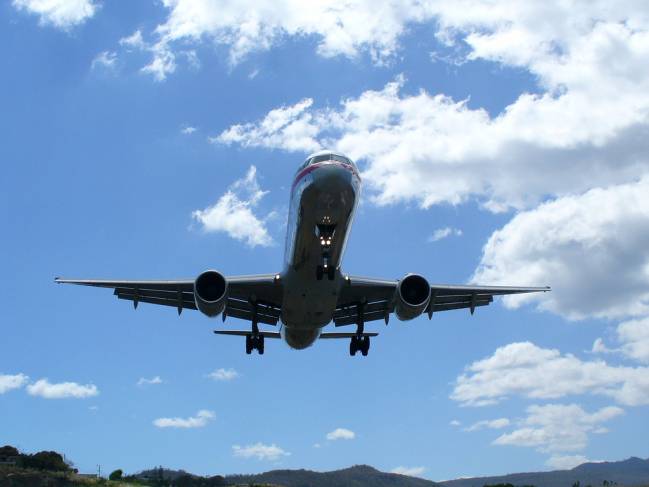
pixel 188 130
pixel 341 434
pixel 152 381
pixel 163 60
pixel 591 118
pixel 233 213
pixel 10 382
pixel 530 371
pixel 455 422
pixel 553 428
pixel 223 374
pixel 565 462
pixel 105 59
pixel 442 233
pixel 134 41
pixel 488 423
pixel 199 421
pixel 62 14
pixel 289 128
pixel 317 445
pixel 634 337
pixel 61 390
pixel 410 471
pixel 593 250
pixel 259 451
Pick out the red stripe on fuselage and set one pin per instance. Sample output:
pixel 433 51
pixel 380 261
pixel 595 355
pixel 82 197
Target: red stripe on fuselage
pixel 312 167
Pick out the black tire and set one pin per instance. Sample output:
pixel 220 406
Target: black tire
pixel 260 345
pixel 365 346
pixel 248 344
pixel 319 272
pixel 352 346
pixel 331 273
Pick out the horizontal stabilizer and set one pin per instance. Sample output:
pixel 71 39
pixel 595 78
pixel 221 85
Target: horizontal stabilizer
pixel 346 335
pixel 243 333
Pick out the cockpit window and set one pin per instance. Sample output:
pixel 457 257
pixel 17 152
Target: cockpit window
pixel 325 157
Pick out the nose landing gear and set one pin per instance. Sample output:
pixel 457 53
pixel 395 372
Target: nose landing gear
pixel 326 234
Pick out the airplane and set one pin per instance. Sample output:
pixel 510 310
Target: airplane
pixel 311 290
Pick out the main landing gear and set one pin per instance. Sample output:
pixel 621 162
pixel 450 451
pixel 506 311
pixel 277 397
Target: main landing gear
pixel 254 341
pixel 359 344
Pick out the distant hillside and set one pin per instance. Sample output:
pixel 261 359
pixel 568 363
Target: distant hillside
pixel 357 476
pixel 631 472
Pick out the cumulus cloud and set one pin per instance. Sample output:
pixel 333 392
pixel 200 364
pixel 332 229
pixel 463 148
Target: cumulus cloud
pixel 9 382
pixel 539 373
pixel 200 420
pixel 442 233
pixel 233 213
pixel 634 338
pixel 410 471
pixel 341 434
pixel 592 248
pixel 152 381
pixel 553 428
pixel 62 390
pixel 223 374
pixel 488 423
pixel 259 451
pixel 62 14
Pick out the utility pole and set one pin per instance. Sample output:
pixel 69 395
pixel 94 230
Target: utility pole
pixel 98 471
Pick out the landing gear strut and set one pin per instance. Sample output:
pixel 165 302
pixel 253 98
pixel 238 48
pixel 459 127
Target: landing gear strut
pixel 359 343
pixel 254 341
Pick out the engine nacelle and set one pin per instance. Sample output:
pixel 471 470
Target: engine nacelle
pixel 210 293
pixel 413 296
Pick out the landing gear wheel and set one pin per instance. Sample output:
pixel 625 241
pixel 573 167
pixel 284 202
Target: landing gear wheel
pixel 249 344
pixel 319 271
pixel 260 345
pixel 365 346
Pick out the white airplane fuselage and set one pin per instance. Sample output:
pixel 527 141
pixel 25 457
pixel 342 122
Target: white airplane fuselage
pixel 324 196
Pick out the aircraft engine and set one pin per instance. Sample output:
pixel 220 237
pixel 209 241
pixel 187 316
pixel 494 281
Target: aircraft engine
pixel 210 293
pixel 413 296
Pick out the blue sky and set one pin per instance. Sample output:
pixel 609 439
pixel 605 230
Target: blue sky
pixel 500 144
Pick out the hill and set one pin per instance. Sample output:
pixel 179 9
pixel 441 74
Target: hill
pixel 630 472
pixel 356 476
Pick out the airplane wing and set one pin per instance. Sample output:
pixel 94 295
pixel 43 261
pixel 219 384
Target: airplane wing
pixel 262 289
pixel 366 299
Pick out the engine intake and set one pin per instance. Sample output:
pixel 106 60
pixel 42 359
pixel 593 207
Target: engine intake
pixel 210 293
pixel 413 296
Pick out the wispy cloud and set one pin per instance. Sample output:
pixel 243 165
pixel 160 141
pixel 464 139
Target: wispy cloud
pixel 410 471
pixel 442 233
pixel 62 390
pixel 105 60
pixel 152 381
pixel 188 130
pixel 223 374
pixel 341 434
pixel 259 451
pixel 200 420
pixel 489 423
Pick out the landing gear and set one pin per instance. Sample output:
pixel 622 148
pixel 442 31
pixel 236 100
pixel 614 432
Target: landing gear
pixel 255 343
pixel 359 344
pixel 325 232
